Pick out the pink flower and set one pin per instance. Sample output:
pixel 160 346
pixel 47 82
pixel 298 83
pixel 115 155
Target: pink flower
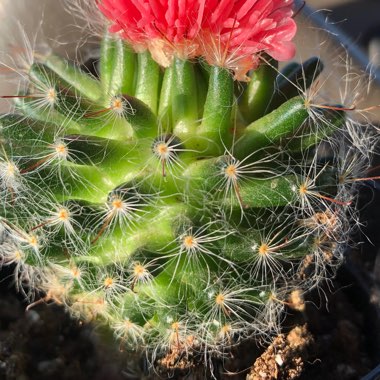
pixel 228 33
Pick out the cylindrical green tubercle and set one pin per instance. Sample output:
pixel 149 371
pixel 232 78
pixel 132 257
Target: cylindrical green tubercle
pixel 268 193
pixel 268 131
pixel 148 82
pixel 117 67
pixel 73 76
pixel 141 118
pixel 216 121
pixel 184 100
pixel 257 96
pixel 165 104
pixel 325 122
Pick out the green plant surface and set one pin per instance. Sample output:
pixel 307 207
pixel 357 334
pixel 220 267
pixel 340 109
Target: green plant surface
pixel 176 205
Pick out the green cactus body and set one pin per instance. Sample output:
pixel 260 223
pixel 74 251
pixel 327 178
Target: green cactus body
pixel 172 204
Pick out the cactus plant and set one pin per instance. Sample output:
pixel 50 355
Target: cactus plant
pixel 179 195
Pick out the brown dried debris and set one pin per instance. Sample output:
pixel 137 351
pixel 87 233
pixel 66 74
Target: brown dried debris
pixel 296 300
pixel 179 357
pixel 175 361
pixel 284 358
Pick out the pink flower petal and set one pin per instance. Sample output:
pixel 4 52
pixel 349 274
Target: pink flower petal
pixel 225 32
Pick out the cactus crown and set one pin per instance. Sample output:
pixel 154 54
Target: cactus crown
pixel 178 205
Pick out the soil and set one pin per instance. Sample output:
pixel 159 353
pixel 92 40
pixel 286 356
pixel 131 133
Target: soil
pixel 44 343
pixel 285 357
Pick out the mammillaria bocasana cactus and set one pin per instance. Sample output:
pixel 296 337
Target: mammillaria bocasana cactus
pixel 179 195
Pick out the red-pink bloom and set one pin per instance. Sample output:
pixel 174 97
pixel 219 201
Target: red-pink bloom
pixel 228 33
